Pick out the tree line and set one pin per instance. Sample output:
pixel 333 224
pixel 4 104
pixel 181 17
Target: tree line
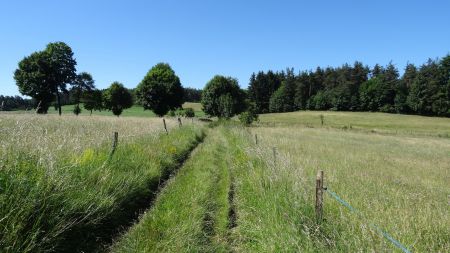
pixel 423 90
pixel 9 103
pixel 50 75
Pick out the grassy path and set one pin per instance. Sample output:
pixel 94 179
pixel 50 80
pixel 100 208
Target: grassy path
pixel 192 212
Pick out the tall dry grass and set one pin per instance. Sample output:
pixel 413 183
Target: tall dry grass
pixel 58 185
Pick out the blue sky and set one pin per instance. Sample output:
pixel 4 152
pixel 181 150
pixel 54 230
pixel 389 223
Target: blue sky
pixel 122 40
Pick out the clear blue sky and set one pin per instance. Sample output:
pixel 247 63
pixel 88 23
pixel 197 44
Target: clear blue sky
pixel 122 40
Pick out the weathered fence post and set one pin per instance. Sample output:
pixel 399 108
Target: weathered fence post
pixel 114 144
pixel 274 151
pixel 179 122
pixel 165 126
pixel 256 139
pixel 38 106
pixel 319 196
pixel 322 119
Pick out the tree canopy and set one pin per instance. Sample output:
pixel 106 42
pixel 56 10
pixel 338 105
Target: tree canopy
pixel 424 90
pixel 117 98
pixel 83 83
pixel 160 90
pixel 45 74
pixel 93 100
pixel 222 97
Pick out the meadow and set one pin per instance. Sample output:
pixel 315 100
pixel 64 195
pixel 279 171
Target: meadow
pixel 398 183
pixel 213 189
pixel 62 190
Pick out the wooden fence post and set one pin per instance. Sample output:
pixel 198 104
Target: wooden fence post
pixel 319 196
pixel 114 144
pixel 38 106
pixel 274 151
pixel 179 122
pixel 165 126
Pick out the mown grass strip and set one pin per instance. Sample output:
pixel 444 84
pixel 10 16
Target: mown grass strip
pixel 191 213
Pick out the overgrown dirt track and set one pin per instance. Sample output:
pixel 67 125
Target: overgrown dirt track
pixel 194 211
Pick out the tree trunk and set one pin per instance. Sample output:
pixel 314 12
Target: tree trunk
pixel 58 98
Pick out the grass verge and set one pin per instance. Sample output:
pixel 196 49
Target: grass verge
pixel 75 203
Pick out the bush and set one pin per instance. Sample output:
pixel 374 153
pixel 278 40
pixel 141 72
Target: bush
pixel 248 117
pixel 180 112
pixel 77 109
pixel 171 113
pixel 189 112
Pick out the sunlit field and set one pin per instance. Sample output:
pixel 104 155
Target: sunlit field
pixel 399 181
pixel 62 188
pixel 214 189
pixel 374 122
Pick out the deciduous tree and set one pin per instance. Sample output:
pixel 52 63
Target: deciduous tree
pixel 160 90
pixel 117 98
pixel 222 97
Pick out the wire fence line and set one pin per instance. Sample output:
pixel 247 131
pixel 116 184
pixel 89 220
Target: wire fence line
pixel 373 226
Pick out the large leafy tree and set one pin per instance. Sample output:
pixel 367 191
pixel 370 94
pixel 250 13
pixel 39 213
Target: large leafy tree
pixel 93 100
pixel 117 98
pixel 31 78
pixel 222 97
pixel 83 83
pixel 160 90
pixel 46 73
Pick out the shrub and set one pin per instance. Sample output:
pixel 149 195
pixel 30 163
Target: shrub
pixel 171 113
pixel 180 112
pixel 248 117
pixel 189 112
pixel 77 109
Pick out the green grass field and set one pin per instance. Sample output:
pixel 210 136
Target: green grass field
pixel 374 122
pixel 398 183
pixel 134 111
pixel 229 194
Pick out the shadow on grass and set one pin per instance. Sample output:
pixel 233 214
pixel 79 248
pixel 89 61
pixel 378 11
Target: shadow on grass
pixel 98 237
